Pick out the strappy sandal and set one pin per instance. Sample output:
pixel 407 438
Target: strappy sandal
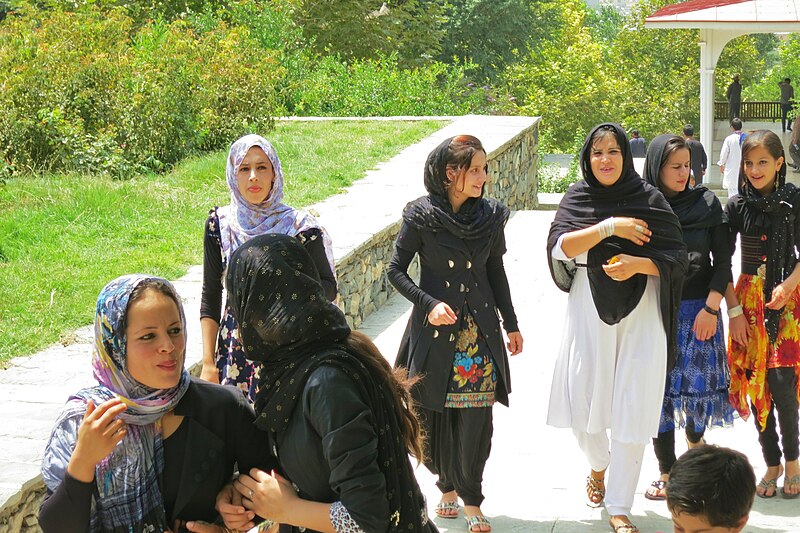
pixel 595 490
pixel 623 528
pixel 791 481
pixel 444 507
pixel 766 485
pixel 477 520
pixel 658 493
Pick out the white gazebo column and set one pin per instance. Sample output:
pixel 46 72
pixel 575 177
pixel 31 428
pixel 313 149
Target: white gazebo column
pixel 706 97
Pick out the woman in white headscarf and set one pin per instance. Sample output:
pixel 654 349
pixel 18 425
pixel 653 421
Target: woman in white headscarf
pixel 255 179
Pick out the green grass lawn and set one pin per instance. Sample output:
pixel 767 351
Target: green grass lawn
pixel 62 237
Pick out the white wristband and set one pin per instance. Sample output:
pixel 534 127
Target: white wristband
pixel 606 228
pixel 733 312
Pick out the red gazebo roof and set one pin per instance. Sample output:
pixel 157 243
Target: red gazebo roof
pixel 725 14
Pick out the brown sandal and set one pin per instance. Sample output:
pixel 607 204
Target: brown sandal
pixel 596 491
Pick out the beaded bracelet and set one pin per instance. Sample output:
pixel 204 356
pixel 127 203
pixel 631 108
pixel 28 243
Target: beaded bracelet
pixel 733 312
pixel 710 311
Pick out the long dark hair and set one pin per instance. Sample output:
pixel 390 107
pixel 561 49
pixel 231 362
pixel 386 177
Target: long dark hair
pixel 400 388
pixel 772 143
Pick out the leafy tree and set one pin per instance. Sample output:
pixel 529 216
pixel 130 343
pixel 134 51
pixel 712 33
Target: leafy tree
pixel 656 87
pixel 745 56
pixel 367 29
pixel 491 33
pixel 563 78
pixel 605 23
pixel 787 65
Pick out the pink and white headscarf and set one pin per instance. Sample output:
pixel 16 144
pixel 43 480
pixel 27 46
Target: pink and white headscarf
pixel 241 220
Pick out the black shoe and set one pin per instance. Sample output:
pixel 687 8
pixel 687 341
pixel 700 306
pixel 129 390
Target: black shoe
pixel 788 129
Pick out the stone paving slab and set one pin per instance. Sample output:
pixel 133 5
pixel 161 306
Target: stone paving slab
pixel 534 480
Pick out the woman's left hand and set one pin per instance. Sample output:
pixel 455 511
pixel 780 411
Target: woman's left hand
pixel 198 526
pixel 626 267
pixel 270 496
pixel 514 342
pixel 705 325
pixel 780 295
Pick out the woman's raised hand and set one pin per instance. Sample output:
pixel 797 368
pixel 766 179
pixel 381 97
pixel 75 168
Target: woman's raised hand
pixel 230 508
pixel 780 295
pixel 99 433
pixel 633 229
pixel 269 496
pixel 442 315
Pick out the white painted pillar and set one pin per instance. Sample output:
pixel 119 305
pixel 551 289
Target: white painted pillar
pixel 707 97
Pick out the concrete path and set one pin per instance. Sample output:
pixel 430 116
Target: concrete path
pixel 534 480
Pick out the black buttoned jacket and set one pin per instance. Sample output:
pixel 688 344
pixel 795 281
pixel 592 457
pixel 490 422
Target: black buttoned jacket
pixel 467 274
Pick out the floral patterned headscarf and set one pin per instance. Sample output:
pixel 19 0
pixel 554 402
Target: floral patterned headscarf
pixel 127 492
pixel 242 220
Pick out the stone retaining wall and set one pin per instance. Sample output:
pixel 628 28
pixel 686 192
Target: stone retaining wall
pixel 19 514
pixel 513 171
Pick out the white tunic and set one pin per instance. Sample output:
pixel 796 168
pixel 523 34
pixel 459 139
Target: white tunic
pixel 731 157
pixel 609 377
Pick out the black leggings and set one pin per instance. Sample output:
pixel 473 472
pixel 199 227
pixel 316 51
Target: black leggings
pixel 664 446
pixel 782 383
pixel 458 445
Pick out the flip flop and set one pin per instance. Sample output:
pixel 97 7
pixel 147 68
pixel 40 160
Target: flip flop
pixel 658 485
pixel 791 481
pixel 766 485
pixel 447 506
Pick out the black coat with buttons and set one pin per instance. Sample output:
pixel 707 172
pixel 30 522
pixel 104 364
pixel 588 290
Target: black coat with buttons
pixel 467 274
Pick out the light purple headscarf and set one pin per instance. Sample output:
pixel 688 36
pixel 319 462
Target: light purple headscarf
pixel 240 221
pixel 127 494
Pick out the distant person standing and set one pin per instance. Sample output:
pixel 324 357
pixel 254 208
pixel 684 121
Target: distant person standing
pixel 734 96
pixel 699 159
pixel 638 144
pixel 794 149
pixel 730 157
pixel 787 98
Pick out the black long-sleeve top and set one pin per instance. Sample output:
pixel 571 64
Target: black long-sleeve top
pixel 216 433
pixel 704 274
pixel 214 266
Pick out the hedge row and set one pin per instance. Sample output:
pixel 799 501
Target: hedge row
pixel 97 91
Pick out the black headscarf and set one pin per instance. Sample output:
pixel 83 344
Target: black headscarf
pixel 778 207
pixel 287 323
pixel 587 203
pixel 477 218
pixel 695 207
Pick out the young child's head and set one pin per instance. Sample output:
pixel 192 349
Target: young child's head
pixel 710 489
pixel 763 161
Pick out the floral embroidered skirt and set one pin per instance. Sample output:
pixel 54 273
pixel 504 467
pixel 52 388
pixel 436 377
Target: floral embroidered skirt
pixel 749 364
pixel 697 387
pixel 473 380
pixel 234 368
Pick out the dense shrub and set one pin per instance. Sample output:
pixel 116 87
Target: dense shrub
pixel 88 91
pixel 381 88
